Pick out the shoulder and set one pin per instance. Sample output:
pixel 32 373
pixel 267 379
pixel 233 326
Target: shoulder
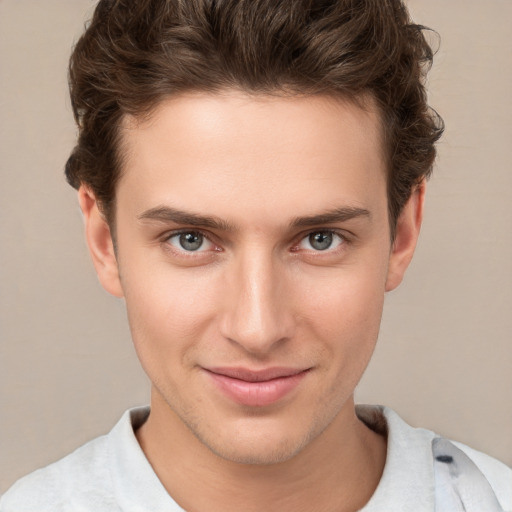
pixel 422 467
pixel 109 473
pixel 497 474
pixel 475 477
pixel 87 479
pixel 63 483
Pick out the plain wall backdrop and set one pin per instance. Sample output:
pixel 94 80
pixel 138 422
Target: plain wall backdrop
pixel 444 358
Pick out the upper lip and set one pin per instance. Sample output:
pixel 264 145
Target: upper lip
pixel 256 375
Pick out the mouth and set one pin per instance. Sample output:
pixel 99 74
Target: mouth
pixel 256 388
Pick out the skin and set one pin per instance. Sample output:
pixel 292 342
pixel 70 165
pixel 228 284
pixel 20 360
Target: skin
pixel 257 293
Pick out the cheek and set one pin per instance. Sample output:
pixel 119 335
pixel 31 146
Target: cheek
pixel 168 309
pixel 349 292
pixel 344 310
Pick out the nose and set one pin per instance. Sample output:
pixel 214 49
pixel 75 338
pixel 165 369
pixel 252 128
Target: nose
pixel 257 314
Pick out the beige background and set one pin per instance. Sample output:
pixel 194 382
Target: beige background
pixel 67 368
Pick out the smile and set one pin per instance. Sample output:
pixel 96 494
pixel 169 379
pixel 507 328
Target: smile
pixel 256 388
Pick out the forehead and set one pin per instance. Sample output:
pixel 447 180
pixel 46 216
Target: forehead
pixel 207 151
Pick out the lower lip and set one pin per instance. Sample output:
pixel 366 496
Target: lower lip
pixel 256 394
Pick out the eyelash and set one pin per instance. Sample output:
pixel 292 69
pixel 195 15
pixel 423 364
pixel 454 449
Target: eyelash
pixel 168 236
pixel 344 240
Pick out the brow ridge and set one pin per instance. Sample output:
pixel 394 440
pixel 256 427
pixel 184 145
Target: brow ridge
pixel 169 214
pixel 341 214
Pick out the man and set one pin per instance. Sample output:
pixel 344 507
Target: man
pixel 252 175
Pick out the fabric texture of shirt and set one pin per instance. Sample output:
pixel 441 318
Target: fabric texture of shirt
pixel 423 473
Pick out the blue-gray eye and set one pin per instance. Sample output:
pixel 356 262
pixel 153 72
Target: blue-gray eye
pixel 190 241
pixel 321 241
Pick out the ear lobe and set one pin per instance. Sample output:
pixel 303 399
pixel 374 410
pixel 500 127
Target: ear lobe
pixel 407 232
pixel 99 241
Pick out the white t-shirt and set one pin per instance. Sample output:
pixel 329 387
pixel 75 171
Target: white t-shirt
pixel 111 473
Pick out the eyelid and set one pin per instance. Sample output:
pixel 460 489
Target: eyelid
pixel 342 234
pixel 164 239
pixel 346 238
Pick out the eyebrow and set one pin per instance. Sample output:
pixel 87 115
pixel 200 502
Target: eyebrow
pixel 169 214
pixel 342 214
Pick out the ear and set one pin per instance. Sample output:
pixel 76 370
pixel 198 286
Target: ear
pixel 407 232
pixel 99 241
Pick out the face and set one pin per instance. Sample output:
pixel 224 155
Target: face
pixel 253 252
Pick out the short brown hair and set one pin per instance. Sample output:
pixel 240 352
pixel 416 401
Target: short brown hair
pixel 136 53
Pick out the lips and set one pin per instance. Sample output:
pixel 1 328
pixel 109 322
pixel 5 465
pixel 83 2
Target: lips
pixel 256 388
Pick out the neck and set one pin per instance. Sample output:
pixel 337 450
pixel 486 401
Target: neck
pixel 339 470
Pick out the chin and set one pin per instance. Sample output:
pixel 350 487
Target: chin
pixel 257 455
pixel 257 446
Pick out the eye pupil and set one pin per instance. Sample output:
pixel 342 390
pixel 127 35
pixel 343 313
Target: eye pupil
pixel 321 240
pixel 191 241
